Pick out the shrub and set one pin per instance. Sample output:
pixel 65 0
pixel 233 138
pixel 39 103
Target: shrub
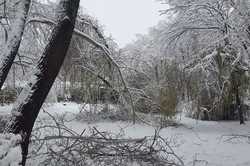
pixel 77 95
pixel 168 99
pixel 8 95
pixel 146 106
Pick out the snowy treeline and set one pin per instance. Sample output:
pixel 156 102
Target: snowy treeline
pixel 201 53
pixel 195 61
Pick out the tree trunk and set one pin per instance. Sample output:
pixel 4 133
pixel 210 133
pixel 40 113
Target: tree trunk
pixel 11 48
pixel 238 105
pixel 32 97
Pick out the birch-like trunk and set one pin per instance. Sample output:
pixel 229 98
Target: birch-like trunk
pixel 32 97
pixel 10 50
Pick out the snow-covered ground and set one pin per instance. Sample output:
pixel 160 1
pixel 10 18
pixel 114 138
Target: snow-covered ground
pixel 199 143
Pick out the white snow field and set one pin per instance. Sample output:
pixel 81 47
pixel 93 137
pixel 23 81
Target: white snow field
pixel 198 143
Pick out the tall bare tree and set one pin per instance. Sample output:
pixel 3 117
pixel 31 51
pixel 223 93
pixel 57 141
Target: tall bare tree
pixel 32 97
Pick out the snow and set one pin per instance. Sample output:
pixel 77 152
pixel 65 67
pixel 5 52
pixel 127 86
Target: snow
pixel 198 143
pixel 206 142
pixel 15 35
pixel 10 153
pixel 202 141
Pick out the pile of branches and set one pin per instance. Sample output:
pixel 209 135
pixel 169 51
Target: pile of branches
pixel 92 147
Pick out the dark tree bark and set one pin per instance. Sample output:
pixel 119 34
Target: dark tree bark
pixel 239 106
pixel 32 97
pixel 236 84
pixel 11 48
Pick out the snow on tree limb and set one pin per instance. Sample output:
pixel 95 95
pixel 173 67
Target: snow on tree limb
pixel 107 54
pixel 11 48
pixel 28 105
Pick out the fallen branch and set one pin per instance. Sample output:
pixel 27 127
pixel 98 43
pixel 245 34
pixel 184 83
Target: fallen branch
pixel 99 148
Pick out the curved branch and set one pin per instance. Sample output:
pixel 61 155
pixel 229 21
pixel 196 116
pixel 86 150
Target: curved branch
pixel 102 47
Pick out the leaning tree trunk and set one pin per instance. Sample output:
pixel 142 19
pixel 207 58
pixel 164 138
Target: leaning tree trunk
pixel 11 48
pixel 32 97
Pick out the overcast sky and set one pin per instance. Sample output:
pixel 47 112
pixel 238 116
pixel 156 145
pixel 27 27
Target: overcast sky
pixel 124 18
